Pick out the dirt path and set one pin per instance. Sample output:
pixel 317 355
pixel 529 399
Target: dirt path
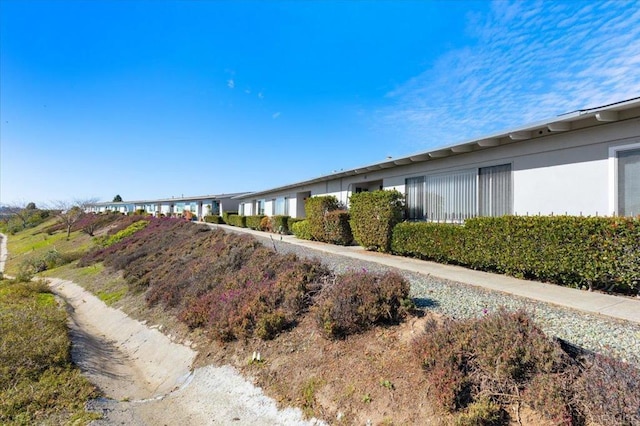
pixel 147 378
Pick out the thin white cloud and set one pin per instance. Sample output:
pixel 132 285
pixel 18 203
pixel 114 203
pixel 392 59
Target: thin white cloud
pixel 275 115
pixel 527 61
pixel 231 84
pixel 260 95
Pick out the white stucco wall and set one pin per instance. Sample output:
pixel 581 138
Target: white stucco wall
pixel 561 173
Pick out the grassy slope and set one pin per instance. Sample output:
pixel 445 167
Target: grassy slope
pixel 38 382
pixel 41 384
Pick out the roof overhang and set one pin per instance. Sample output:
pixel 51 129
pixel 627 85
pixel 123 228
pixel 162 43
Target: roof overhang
pixel 576 120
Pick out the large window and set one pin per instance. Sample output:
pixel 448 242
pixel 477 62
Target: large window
pixel 457 196
pixel 281 206
pixel 451 197
pixel 495 190
pixel 628 182
pixel 415 198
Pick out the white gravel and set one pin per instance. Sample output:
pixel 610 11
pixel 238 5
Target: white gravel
pixel 617 338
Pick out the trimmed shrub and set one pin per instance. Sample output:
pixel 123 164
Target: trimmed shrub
pixel 336 228
pixel 316 208
pixel 236 220
pixel 280 224
pixel 584 252
pixel 253 222
pixel 214 219
pixel 430 241
pixel 357 301
pixel 373 216
pixel 302 229
pixel 225 216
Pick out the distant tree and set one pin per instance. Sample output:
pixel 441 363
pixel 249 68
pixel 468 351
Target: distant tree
pixel 18 212
pixel 70 212
pixel 117 199
pixel 31 206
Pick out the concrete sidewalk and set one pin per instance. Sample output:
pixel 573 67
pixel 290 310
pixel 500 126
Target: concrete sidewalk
pixel 619 307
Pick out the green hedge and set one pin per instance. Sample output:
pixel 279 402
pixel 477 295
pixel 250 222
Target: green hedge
pixel 280 224
pixel 431 241
pixel 214 219
pixel 236 220
pixel 584 252
pixel 301 229
pixel 225 216
pixel 337 229
pixel 373 216
pixel 253 222
pixel 316 208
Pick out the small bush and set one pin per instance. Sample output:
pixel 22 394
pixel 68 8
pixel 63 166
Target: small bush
pixel 302 230
pixel 280 224
pixel 482 413
pixel 265 224
pixel 214 219
pixel 373 216
pixel 253 222
pixel 236 220
pixel 496 357
pixel 336 228
pixel 225 216
pixel 316 208
pixel 357 301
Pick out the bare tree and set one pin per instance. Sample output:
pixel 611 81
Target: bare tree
pixel 70 212
pixel 18 211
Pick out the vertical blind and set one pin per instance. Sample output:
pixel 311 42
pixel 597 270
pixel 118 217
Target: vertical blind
pixel 495 195
pixel 415 197
pixel 280 206
pixel 455 197
pixel 629 182
pixel 451 197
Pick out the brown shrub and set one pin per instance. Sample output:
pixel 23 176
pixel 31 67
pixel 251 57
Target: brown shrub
pixel 608 392
pixel 356 301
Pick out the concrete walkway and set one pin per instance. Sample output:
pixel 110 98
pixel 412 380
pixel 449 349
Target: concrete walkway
pixel 619 307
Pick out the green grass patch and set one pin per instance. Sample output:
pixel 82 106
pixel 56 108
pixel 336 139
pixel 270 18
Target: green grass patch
pixel 111 297
pixel 38 382
pixel 31 246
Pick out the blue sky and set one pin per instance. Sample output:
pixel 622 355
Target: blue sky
pixel 154 99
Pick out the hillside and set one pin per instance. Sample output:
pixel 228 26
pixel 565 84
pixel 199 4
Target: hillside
pixel 176 275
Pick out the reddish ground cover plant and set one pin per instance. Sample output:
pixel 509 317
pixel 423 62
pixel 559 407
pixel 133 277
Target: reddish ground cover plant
pixel 356 301
pixel 504 359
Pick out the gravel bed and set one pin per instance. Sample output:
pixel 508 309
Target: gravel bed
pixel 595 333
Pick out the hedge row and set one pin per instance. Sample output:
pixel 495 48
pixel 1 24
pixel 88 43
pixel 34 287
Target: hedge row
pixel 584 252
pixel 236 220
pixel 214 219
pixel 253 222
pixel 373 216
pixel 277 223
